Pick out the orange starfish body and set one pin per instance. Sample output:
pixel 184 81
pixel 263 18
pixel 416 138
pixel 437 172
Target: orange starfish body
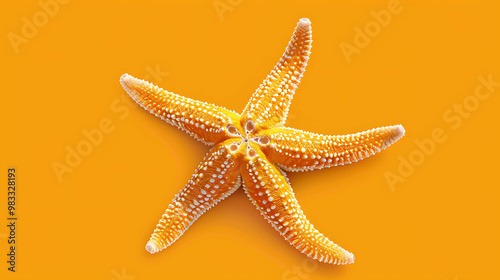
pixel 254 149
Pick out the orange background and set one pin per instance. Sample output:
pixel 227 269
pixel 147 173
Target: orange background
pixel 441 222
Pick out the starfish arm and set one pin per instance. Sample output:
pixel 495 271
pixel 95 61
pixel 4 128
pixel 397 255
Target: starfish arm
pixel 268 106
pixel 269 190
pixel 296 150
pixel 216 178
pixel 203 121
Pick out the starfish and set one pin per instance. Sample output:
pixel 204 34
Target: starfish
pixel 254 149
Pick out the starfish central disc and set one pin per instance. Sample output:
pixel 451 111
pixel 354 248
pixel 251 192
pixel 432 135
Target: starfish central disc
pixel 247 141
pixel 254 149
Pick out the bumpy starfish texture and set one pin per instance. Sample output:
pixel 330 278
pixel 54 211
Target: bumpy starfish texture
pixel 254 149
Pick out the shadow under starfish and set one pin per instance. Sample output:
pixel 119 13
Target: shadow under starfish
pixel 254 149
